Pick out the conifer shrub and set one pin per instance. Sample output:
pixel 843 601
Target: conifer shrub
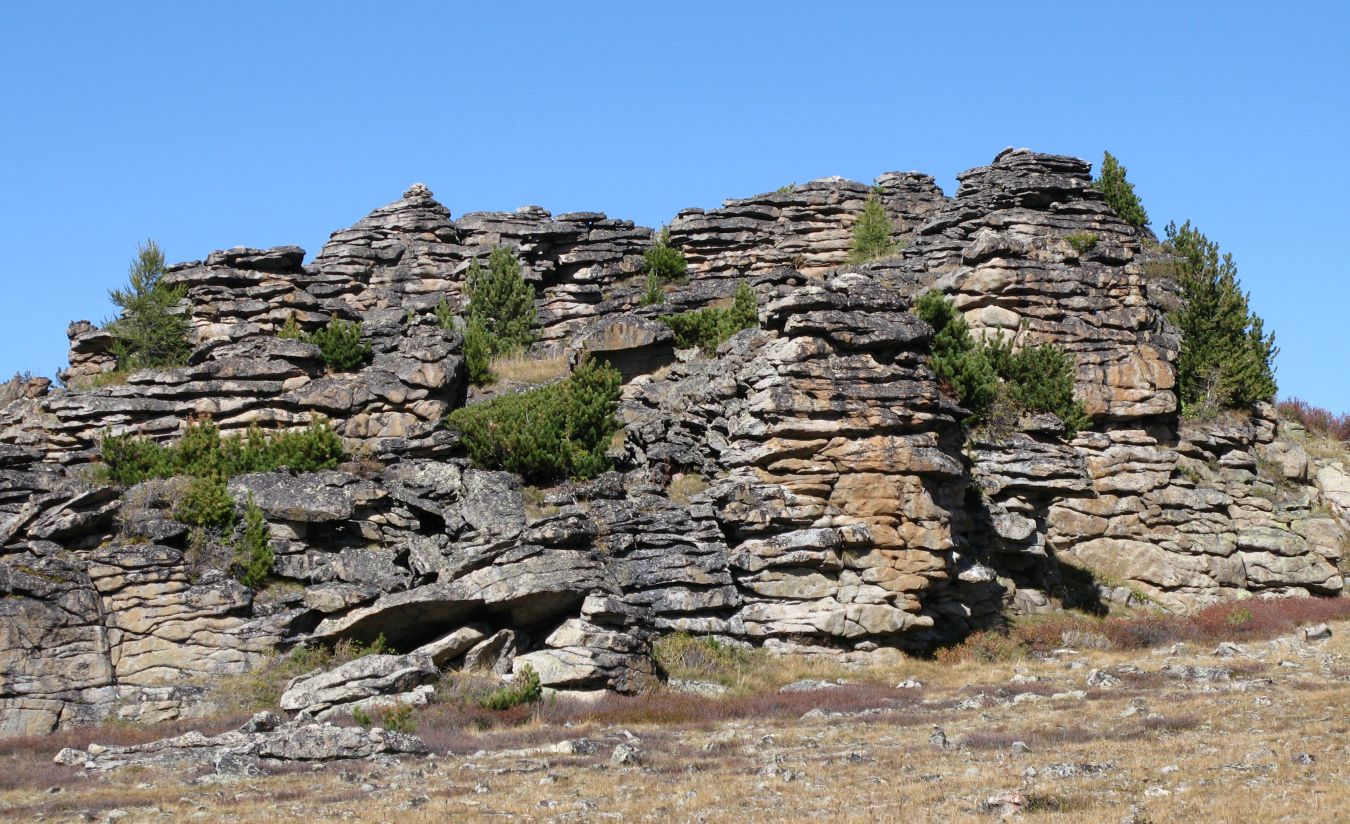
pixel 1082 242
pixel 994 382
pixel 203 452
pixel 502 302
pixel 525 689
pixel 340 344
pixel 291 330
pixel 710 327
pixel 956 359
pixel 1119 192
pixel 206 503
pixel 1039 379
pixel 872 233
pixel 149 331
pixel 445 315
pixel 546 434
pixel 655 292
pixel 478 353
pixel 663 263
pixel 1226 357
pixel 253 551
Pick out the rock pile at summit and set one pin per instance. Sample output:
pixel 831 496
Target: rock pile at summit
pixel 809 488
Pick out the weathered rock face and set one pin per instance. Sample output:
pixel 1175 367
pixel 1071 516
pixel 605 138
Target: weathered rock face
pixel 809 488
pixel 265 742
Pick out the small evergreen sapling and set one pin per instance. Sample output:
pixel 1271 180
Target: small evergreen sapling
pixel 663 263
pixel 872 232
pixel 502 302
pixel 149 331
pixel 253 551
pixel 710 327
pixel 340 344
pixel 955 358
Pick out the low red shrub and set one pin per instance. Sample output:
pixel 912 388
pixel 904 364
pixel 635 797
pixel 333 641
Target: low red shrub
pixel 1316 419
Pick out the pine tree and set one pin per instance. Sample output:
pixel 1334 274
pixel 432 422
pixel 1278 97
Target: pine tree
pixel 1119 192
pixel 340 344
pixel 954 356
pixel 872 232
pixel 1226 357
pixel 149 332
pixel 253 551
pixel 501 300
pixel 663 263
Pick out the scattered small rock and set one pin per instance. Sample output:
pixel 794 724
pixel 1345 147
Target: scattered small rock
pixel 626 755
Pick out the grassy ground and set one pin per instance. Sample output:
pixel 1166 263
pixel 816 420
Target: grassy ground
pixel 1154 742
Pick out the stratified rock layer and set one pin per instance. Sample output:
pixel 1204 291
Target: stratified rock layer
pixel 808 488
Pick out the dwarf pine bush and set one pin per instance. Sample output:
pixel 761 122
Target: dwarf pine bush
pixel 202 452
pixel 709 328
pixel 993 380
pixel 956 360
pixel 663 263
pixel 525 689
pixel 1039 379
pixel 253 550
pixel 502 302
pixel 340 344
pixel 546 434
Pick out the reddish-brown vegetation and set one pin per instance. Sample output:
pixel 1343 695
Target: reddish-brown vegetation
pixel 1247 620
pixel 1316 419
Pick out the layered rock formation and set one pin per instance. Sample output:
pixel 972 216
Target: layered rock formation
pixel 809 488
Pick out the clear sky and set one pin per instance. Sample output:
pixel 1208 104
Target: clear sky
pixel 205 126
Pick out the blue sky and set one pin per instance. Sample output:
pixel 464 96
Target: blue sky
pixel 206 126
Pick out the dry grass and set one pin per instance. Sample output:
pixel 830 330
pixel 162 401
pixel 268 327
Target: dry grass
pixel 684 487
pixel 1152 748
pixel 1247 620
pixel 522 369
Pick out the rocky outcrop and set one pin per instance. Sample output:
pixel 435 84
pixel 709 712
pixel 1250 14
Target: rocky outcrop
pixel 809 488
pixel 262 744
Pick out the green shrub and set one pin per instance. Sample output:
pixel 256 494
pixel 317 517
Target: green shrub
pixel 445 315
pixel 206 502
pixel 1039 379
pixel 524 689
pixel 362 717
pixel 149 332
pixel 340 344
pixel 872 233
pixel 991 380
pixel 502 302
pixel 1082 242
pixel 547 434
pixel 656 291
pixel 681 655
pixel 478 353
pixel 398 718
pixel 1226 358
pixel 1119 192
pixel 663 262
pixel 201 452
pixel 956 360
pixel 253 550
pixel 710 327
pixel 291 330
